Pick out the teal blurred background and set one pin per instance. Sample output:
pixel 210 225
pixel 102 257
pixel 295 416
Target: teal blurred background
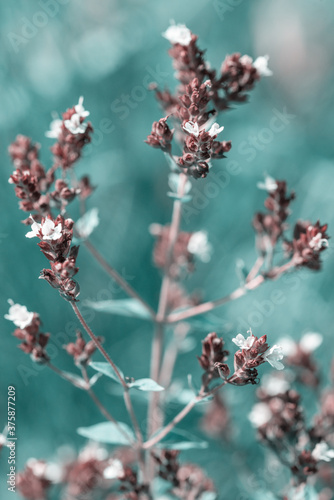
pixel 106 50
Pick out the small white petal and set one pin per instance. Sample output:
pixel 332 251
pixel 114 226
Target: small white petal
pixel 261 65
pixel 269 184
pixel 289 346
pixel 215 130
pixel 199 245
pixel 274 356
pixel 310 341
pixel 55 129
pixel 246 59
pixel 242 342
pixel 114 470
pixel 19 315
pixel 260 414
pixel 191 128
pixel 323 452
pixel 178 33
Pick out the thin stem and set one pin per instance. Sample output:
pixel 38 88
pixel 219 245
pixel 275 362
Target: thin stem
pixel 154 414
pixel 180 416
pixel 209 306
pixel 129 407
pixel 98 344
pixel 255 269
pixel 101 407
pixel 65 376
pixel 126 395
pixel 117 277
pixel 170 356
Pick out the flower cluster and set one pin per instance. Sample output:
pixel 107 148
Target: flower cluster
pixel 56 238
pixel 213 355
pixel 188 481
pixel 29 177
pixel 280 424
pixel 33 341
pixel 200 87
pixel 35 480
pixel 80 350
pixel 253 352
pixel 187 246
pixel 270 226
pixel 309 240
pixel 37 188
pixel 72 133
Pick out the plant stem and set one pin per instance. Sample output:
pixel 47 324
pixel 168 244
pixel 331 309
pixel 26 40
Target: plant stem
pixel 65 376
pixel 117 277
pixel 180 416
pixel 154 415
pixel 101 407
pixel 255 269
pixel 126 394
pixel 98 344
pixel 209 306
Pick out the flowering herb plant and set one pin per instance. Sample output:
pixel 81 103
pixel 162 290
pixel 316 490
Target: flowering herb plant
pixel 145 463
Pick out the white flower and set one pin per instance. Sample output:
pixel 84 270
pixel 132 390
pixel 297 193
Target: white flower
pixel 55 129
pixel 74 125
pixel 87 223
pixel 310 341
pixel 114 469
pixel 215 129
pixel 80 110
pixel 274 356
pixel 318 242
pixel 93 451
pixel 243 343
pixel 51 471
pixel 289 346
pixel 49 230
pixel 19 315
pixel 191 128
pixel 260 415
pixel 269 184
pixel 178 33
pixel 274 385
pixel 322 452
pixel 246 59
pixel 261 65
pixel 199 245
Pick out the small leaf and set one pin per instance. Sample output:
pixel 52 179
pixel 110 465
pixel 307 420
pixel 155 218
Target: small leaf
pixel 122 307
pixel 106 369
pixel 94 379
pixel 183 199
pixel 75 379
pixel 108 432
pixel 87 223
pixel 208 495
pixel 146 384
pixel 189 441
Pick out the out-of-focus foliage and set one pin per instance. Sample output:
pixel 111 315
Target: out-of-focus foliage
pixel 109 51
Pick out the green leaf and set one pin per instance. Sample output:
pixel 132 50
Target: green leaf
pixel 122 307
pixel 108 432
pixel 208 495
pixel 146 384
pixel 188 441
pixel 183 199
pixel 87 223
pixel 106 369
